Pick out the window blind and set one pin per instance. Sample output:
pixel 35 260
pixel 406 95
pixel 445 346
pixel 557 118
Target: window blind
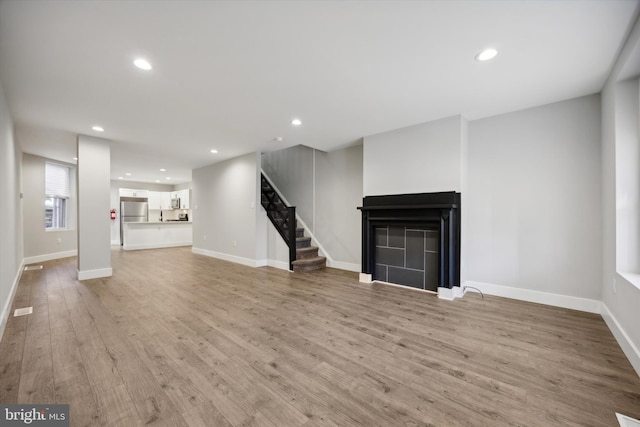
pixel 56 180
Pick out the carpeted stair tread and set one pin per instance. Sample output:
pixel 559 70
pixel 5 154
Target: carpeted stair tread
pixel 309 264
pixel 303 242
pixel 308 252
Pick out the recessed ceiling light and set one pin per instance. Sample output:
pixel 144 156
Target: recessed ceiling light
pixel 98 128
pixel 128 174
pixel 168 177
pixel 120 177
pixel 142 63
pixel 157 180
pixel 75 158
pixel 278 139
pixel 163 170
pixel 214 151
pixel 486 55
pixel 296 122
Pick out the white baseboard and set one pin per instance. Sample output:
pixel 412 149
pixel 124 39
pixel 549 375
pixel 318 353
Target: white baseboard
pixel 556 300
pixel 282 265
pixel 348 266
pixel 6 310
pixel 227 257
pixel 155 246
pixel 365 278
pixel 49 257
pixel 628 347
pixel 94 274
pixel 450 294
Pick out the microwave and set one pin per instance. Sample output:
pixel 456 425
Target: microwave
pixel 175 203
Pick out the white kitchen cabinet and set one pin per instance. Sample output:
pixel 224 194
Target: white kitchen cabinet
pixel 184 199
pixel 159 200
pixel 165 200
pixel 126 192
pixel 183 195
pixel 155 200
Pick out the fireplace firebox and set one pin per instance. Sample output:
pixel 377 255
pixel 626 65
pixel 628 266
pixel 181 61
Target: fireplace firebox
pixel 412 239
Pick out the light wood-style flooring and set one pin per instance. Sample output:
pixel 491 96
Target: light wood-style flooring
pixel 177 339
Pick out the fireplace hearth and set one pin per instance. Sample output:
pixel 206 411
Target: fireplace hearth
pixel 412 239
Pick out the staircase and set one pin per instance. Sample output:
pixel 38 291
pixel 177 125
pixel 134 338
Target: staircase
pixel 302 256
pixel 307 258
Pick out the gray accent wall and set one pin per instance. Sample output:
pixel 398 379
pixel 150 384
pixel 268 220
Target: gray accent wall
pixel 11 225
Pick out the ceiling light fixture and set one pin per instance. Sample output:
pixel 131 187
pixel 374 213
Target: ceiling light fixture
pixel 278 139
pixel 157 180
pixel 75 158
pixel 98 128
pixel 142 63
pixel 486 55
pixel 214 151
pixel 163 170
pixel 128 174
pixel 120 177
pixel 296 122
pixel 168 177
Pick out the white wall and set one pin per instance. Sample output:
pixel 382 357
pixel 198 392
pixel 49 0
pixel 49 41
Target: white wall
pixel 11 226
pixel 226 221
pixel 94 223
pixel 620 290
pixel 41 244
pixel 418 159
pixel 533 202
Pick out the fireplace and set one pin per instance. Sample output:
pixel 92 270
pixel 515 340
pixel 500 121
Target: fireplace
pixel 412 239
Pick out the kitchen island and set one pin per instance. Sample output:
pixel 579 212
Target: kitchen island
pixel 156 234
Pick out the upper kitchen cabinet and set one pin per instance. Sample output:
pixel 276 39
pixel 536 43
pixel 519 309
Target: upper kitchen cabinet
pixel 165 200
pixel 159 200
pixel 184 199
pixel 183 195
pixel 125 192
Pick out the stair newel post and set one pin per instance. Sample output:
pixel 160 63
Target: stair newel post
pixel 291 211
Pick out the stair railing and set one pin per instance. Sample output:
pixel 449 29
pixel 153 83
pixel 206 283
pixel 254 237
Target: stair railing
pixel 282 217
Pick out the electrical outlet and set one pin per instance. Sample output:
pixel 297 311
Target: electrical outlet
pixel 59 240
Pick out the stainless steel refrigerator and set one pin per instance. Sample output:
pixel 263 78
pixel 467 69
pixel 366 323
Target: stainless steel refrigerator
pixel 132 212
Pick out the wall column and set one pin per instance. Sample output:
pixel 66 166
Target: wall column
pixel 94 188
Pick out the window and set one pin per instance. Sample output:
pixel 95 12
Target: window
pixel 56 196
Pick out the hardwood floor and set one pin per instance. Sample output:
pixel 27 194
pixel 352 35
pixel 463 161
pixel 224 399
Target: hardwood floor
pixel 177 339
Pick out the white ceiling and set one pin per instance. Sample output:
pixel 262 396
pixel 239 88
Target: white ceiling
pixel 231 75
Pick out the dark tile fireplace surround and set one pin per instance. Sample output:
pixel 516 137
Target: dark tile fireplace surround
pixel 412 239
